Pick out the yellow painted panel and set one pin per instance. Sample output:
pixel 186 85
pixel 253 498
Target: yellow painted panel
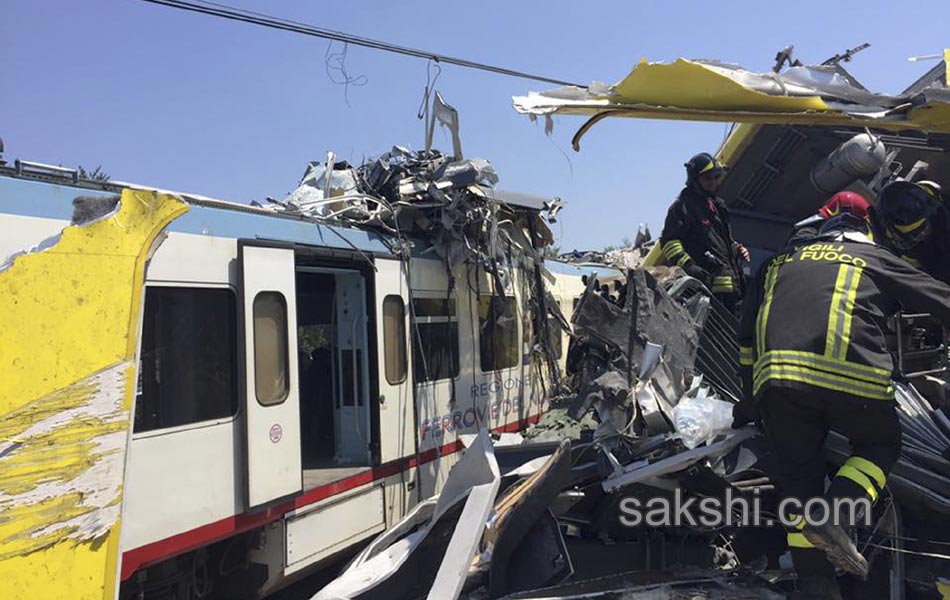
pixel 687 84
pixel 934 116
pixel 69 324
pixel 738 140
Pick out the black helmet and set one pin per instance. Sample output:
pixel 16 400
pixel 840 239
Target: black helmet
pixel 843 223
pixel 703 164
pixel 904 209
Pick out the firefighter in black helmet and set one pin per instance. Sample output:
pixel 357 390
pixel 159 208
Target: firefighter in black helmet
pixel 912 220
pixel 697 236
pixel 813 357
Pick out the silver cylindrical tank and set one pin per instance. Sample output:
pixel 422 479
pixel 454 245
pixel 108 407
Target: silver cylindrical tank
pixel 860 156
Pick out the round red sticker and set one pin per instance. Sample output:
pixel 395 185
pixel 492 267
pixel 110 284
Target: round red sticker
pixel 276 432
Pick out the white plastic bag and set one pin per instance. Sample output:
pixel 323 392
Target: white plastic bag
pixel 701 418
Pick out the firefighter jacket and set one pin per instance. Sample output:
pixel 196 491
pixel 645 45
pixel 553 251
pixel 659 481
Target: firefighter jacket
pixel 815 316
pixel 697 233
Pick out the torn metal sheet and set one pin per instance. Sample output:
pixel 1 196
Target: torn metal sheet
pixel 516 514
pixel 454 568
pixel 542 557
pixel 705 90
pixel 398 563
pixel 69 386
pixel 639 472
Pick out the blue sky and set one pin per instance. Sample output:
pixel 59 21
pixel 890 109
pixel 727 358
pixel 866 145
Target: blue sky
pixel 183 101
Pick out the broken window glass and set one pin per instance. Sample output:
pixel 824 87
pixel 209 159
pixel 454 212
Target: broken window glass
pixel 498 333
pixel 435 343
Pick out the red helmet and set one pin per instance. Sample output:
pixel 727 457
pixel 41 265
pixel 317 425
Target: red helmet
pixel 845 202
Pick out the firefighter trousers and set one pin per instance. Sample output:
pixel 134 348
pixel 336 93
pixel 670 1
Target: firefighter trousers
pixel 796 422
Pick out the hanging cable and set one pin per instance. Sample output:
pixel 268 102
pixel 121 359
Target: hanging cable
pixel 224 11
pixel 430 85
pixel 335 64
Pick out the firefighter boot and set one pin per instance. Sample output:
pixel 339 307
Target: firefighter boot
pixel 839 548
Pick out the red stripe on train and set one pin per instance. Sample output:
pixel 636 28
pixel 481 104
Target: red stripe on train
pixel 149 554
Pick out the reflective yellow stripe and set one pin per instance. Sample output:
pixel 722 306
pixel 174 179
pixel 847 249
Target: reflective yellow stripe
pixel 870 469
pixel 763 316
pixel 674 253
pixel 833 362
pixel 821 379
pixel 779 368
pixel 834 309
pixel 722 283
pixel 745 356
pixel 910 227
pixel 797 540
pixel 842 341
pixel 672 248
pixel 822 364
pixel 849 472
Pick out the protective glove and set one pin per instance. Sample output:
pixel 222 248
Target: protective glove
pixel 694 270
pixel 743 413
pixel 712 262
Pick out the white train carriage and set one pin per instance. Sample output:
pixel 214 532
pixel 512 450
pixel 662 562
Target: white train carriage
pixel 300 387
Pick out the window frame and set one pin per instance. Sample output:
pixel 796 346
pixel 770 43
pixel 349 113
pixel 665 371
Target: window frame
pixel 285 347
pixel 451 318
pixel 400 343
pixel 238 349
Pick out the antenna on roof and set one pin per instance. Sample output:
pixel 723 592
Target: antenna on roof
pixel 846 55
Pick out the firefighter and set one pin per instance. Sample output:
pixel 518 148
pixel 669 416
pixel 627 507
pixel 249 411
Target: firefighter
pixel 697 236
pixel 813 357
pixel 840 203
pixel 912 220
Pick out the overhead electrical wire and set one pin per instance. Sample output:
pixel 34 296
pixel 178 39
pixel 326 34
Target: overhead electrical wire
pixel 255 18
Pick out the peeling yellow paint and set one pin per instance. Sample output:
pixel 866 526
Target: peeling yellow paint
pixel 697 85
pixel 69 324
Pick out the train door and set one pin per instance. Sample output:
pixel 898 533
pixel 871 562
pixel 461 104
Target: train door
pixel 396 416
pixel 272 414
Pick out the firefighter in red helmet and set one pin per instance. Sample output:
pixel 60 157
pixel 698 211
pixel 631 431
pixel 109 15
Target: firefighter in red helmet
pixel 840 203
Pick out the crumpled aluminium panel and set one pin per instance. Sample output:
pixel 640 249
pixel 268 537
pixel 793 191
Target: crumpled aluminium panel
pixel 705 90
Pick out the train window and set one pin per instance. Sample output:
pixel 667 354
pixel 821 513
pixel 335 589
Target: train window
pixel 435 340
pixel 394 339
pixel 271 367
pixel 498 333
pixel 433 307
pixel 188 371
